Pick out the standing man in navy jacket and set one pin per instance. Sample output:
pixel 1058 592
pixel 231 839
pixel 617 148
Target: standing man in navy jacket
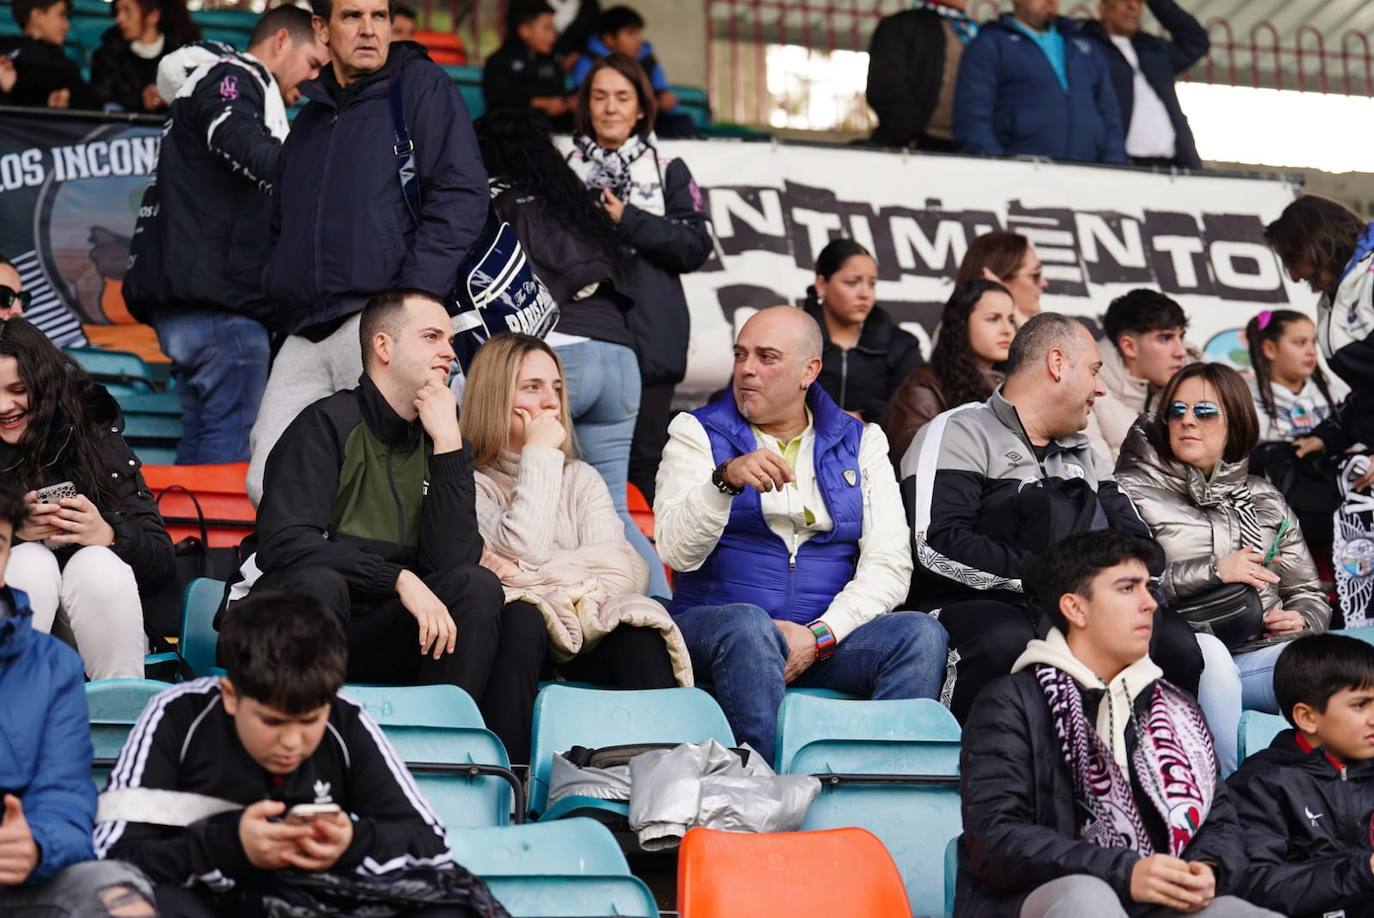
pixel 1143 68
pixel 343 229
pixel 1031 84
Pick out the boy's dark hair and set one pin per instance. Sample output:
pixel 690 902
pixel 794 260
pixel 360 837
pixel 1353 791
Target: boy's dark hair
pixel 398 9
pixel 293 19
pixel 283 650
pixel 21 9
pixel 1313 668
pixel 616 18
pixel 12 506
pixel 525 11
pixel 1069 566
pixel 1139 311
pixel 384 312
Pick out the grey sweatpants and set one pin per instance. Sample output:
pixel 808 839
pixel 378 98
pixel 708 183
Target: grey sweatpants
pixel 304 372
pixel 91 889
pixel 1083 896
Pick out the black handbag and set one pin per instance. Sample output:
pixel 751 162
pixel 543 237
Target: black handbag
pixel 1232 613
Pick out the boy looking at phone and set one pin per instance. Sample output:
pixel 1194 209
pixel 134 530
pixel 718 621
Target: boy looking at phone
pixel 1305 803
pixel 224 783
pixel 48 803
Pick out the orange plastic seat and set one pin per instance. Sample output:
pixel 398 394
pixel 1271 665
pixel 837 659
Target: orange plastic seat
pixel 640 511
pixel 643 515
pixel 836 873
pixel 223 497
pixel 443 47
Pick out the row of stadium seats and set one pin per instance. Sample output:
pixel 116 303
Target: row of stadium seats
pixel 465 774
pixel 884 765
pixel 880 762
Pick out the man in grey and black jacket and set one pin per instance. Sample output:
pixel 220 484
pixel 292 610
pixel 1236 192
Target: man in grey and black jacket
pixel 988 486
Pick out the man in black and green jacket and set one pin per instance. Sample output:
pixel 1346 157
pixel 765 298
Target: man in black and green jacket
pixel 368 507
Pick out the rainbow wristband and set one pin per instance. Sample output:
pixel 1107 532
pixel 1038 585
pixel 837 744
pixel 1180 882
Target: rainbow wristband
pixel 825 640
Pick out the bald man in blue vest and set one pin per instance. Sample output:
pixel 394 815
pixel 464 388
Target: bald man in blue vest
pixel 781 515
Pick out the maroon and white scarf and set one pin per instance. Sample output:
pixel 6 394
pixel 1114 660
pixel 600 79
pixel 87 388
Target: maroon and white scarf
pixel 1173 759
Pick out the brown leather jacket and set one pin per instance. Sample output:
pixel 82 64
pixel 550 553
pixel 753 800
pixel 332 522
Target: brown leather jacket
pixel 920 397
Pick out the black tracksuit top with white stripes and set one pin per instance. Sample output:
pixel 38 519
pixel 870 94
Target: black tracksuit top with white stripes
pixel 184 741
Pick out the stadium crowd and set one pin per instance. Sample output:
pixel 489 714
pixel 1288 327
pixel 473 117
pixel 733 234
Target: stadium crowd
pixel 1095 551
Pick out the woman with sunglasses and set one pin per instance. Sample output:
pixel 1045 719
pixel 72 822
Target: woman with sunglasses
pixel 1008 259
pixel 1187 470
pixel 13 298
pixel 93 540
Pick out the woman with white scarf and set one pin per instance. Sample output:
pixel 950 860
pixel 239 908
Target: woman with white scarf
pixel 1187 472
pixel 661 214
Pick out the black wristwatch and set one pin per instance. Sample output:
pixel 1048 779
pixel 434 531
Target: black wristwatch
pixel 723 486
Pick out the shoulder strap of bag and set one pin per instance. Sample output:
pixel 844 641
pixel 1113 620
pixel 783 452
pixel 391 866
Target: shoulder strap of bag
pixel 404 149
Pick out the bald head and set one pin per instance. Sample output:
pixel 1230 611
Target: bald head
pixel 777 357
pixel 788 326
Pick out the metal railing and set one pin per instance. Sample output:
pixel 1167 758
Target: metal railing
pixel 740 31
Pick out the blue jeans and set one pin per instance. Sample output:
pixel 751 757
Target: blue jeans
pixel 603 396
pixel 219 361
pixel 1231 684
pixel 738 655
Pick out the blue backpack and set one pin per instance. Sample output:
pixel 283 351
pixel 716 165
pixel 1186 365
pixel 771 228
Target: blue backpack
pixel 497 290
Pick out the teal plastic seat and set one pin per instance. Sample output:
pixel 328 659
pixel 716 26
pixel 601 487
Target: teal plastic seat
pixel 567 867
pixel 121 372
pixel 115 706
pixel 565 717
pixel 885 766
pixel 460 766
pixel 154 403
pixel 1257 731
pixel 951 873
pixel 1360 634
pixel 822 693
pixel 692 100
pixel 469 83
pixel 198 635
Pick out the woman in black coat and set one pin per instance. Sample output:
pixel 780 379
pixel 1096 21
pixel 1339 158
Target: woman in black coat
pixel 866 355
pixel 661 215
pixel 93 540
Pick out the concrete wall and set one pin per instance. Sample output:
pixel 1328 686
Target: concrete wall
pixel 678 30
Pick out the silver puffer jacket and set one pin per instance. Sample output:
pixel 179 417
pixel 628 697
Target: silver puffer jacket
pixel 1192 517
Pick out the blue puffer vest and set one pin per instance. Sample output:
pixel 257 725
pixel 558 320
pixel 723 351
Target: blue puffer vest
pixel 750 563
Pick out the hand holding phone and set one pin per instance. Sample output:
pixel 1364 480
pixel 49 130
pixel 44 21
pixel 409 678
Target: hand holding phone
pixel 331 832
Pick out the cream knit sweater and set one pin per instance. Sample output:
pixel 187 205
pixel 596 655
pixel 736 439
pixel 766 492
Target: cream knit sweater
pixel 554 518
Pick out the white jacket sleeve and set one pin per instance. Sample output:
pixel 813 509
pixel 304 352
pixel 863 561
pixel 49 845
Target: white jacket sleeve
pixel 882 577
pixel 690 512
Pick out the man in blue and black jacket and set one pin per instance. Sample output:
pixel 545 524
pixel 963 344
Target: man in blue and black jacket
pixel 342 226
